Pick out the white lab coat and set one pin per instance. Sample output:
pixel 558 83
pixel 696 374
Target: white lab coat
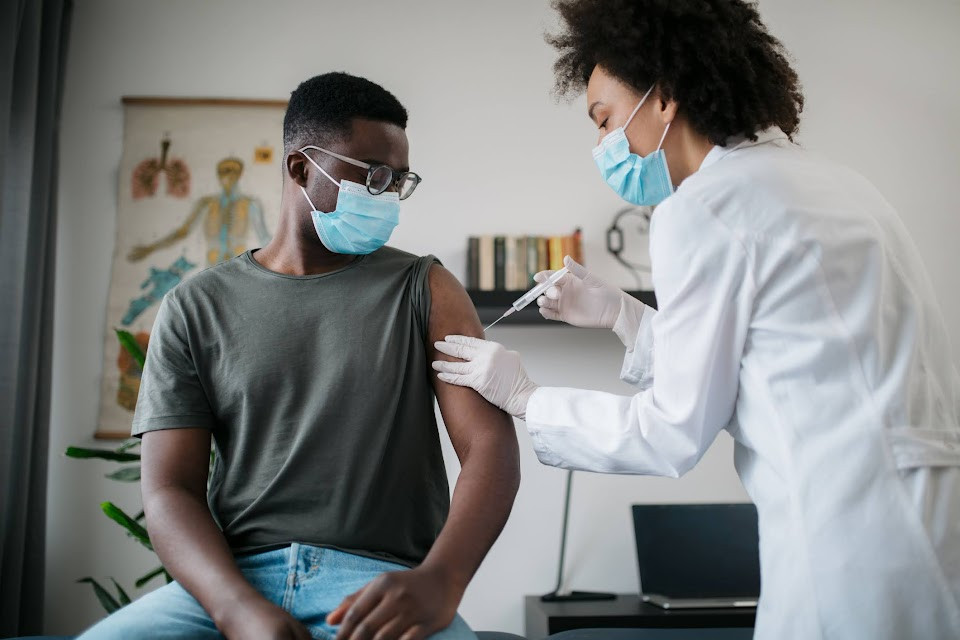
pixel 795 312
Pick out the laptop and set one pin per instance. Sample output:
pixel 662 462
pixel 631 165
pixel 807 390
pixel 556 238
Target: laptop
pixel 698 556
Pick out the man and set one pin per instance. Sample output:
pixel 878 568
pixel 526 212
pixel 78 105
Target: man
pixel 328 481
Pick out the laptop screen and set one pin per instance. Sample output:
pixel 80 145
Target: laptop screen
pixel 698 550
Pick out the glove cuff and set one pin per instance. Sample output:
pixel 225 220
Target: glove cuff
pixel 517 405
pixel 627 324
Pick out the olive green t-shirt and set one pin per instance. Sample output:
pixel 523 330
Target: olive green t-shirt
pixel 317 392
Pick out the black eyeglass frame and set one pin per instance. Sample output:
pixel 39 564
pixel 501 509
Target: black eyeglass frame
pixel 395 176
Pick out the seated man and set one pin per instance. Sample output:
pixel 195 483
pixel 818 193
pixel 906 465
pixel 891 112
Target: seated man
pixel 328 482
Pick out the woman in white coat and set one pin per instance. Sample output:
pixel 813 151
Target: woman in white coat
pixel 794 312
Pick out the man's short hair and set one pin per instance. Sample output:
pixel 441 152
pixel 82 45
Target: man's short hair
pixel 322 108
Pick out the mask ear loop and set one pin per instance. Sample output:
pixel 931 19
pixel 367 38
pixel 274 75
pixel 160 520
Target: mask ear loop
pixel 637 108
pixel 663 136
pixel 313 208
pixel 329 177
pixel 314 162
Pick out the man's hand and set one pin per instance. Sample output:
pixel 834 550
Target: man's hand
pixel 405 605
pixel 489 369
pixel 260 619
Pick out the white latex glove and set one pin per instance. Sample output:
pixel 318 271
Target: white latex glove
pixel 581 299
pixel 489 369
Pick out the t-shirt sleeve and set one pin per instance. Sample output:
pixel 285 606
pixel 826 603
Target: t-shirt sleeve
pixel 171 394
pixel 420 291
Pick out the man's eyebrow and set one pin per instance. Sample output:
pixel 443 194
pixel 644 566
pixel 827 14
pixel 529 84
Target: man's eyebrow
pixel 592 107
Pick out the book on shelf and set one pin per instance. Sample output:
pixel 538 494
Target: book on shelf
pixel 486 266
pixel 499 263
pixel 508 263
pixel 473 263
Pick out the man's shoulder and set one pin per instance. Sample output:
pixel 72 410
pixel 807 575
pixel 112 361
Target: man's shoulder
pixel 392 261
pixel 211 279
pixel 393 256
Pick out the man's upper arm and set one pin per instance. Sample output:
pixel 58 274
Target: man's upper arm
pixel 466 414
pixel 175 458
pixel 173 415
pixel 171 392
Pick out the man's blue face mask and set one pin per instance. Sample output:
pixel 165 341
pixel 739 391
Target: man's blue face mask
pixel 643 181
pixel 361 223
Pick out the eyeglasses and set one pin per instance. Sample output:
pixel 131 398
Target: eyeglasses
pixel 380 176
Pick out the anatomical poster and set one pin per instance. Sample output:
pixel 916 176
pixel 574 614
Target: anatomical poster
pixel 198 183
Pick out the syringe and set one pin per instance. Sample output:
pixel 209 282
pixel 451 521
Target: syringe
pixel 532 295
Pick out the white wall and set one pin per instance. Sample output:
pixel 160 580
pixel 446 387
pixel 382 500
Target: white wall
pixel 499 156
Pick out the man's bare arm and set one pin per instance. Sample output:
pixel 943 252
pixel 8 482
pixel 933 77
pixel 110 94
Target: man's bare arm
pixel 483 436
pixel 175 463
pixel 414 604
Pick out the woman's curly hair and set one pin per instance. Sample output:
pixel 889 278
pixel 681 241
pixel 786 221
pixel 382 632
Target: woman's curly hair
pixel 716 58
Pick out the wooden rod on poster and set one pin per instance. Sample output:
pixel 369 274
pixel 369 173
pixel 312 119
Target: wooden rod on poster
pixel 203 102
pixel 111 435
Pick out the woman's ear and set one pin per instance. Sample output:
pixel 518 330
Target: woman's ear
pixel 296 166
pixel 668 110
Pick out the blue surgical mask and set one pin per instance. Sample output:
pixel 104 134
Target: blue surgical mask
pixel 643 181
pixel 361 223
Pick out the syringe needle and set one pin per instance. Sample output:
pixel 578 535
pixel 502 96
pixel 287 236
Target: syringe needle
pixel 506 313
pixel 532 295
pixel 494 322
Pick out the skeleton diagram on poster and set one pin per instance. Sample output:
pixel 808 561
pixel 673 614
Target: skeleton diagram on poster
pixel 198 184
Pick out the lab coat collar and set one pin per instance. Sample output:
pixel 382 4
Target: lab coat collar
pixel 742 142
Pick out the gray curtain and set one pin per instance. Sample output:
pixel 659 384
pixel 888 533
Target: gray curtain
pixel 33 35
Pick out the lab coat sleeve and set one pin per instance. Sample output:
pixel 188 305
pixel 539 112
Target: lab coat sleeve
pixel 633 327
pixel 705 289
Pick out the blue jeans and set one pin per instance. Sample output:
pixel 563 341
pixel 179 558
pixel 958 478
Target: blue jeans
pixel 309 582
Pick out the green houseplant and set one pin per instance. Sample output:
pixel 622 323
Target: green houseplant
pixel 128 456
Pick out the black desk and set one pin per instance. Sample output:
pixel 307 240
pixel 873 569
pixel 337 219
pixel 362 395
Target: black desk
pixel 627 611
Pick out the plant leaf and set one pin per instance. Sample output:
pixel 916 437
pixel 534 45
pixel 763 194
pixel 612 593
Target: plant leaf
pixel 147 577
pixel 139 516
pixel 128 342
pixel 126 474
pixel 167 576
pixel 104 454
pixel 129 444
pixel 107 601
pixel 122 596
pixel 134 528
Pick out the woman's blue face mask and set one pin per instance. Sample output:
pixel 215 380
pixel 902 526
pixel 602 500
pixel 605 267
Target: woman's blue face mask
pixel 643 181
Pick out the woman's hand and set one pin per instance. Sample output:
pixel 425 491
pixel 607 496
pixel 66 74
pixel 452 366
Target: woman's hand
pixel 581 299
pixel 488 368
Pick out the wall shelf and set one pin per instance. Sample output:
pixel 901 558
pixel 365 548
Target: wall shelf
pixel 491 305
